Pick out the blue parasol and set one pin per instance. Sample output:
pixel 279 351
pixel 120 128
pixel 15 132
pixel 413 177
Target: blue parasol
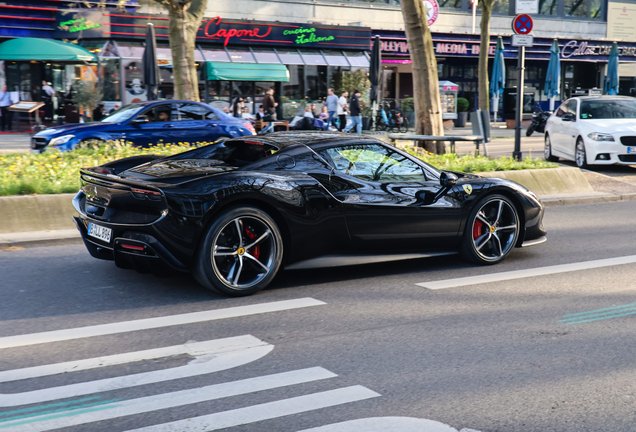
pixel 498 78
pixel 611 80
pixel 552 86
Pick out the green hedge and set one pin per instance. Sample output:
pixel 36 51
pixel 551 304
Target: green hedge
pixel 55 172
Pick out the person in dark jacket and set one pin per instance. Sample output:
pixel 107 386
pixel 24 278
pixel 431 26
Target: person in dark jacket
pixel 98 113
pixel 356 115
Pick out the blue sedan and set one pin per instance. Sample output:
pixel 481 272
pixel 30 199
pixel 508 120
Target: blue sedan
pixel 148 123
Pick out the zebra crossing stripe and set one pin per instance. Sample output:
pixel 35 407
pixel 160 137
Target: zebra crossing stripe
pixel 191 396
pixel 157 322
pixel 252 350
pixel 195 349
pixel 266 411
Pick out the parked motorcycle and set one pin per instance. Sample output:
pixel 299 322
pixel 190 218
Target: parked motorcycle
pixel 539 120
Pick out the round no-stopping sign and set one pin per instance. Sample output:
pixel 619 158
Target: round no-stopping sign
pixel 432 11
pixel 522 24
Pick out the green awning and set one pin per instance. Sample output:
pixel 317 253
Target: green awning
pixel 44 50
pixel 225 71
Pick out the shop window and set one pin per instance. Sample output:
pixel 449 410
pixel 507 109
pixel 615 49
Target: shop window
pixel 291 57
pixel 456 71
pixel 548 7
pixel 218 55
pixel 265 55
pixel 313 57
pixel 575 8
pixel 241 56
pixel 357 58
pixel 316 82
pixel 455 4
pixel 242 88
pixel 596 9
pixel 295 88
pixel 135 51
pixel 335 58
pixel 110 79
pixel 470 71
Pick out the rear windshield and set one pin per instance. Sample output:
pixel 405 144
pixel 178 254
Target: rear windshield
pixel 234 153
pixel 608 109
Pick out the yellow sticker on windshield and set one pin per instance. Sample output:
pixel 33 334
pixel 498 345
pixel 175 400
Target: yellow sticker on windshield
pixel 468 189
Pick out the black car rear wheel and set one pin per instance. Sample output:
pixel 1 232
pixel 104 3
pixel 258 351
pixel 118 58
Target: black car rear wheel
pixel 491 232
pixel 241 253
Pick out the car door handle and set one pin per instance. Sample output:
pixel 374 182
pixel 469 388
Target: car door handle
pixel 168 126
pixel 212 125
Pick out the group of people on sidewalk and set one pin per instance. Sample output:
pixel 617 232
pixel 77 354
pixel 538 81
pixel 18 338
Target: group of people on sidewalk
pixel 338 107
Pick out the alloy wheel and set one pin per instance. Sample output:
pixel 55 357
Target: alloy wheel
pixel 547 151
pixel 495 229
pixel 244 252
pixel 580 157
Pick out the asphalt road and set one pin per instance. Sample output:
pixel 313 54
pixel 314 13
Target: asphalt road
pixel 323 347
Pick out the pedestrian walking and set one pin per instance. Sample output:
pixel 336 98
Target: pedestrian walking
pixel 270 104
pixel 356 117
pixel 5 103
pixel 98 112
pixel 332 106
pixel 342 110
pixel 48 93
pixel 237 107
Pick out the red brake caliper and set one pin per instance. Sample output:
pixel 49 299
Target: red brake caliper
pixel 477 229
pixel 256 251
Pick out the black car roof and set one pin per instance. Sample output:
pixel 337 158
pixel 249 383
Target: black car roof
pixel 310 139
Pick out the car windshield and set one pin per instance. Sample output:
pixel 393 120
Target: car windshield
pixel 122 114
pixel 608 109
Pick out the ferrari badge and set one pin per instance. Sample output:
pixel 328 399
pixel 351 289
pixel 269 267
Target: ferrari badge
pixel 468 189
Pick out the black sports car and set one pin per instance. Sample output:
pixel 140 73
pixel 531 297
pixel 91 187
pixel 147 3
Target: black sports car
pixel 234 212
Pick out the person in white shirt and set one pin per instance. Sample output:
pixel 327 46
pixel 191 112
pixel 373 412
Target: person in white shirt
pixel 246 114
pixel 342 110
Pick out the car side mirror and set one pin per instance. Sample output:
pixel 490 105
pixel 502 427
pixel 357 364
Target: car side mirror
pixel 568 117
pixel 447 179
pixel 140 120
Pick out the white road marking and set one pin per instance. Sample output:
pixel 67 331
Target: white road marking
pixel 202 394
pixel 266 411
pixel 520 274
pixel 195 349
pixel 151 323
pixel 205 365
pixel 387 424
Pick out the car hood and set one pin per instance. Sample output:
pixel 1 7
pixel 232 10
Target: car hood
pixel 72 129
pixel 167 170
pixel 611 125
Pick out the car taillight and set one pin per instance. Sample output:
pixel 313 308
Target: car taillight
pixel 146 192
pixel 250 127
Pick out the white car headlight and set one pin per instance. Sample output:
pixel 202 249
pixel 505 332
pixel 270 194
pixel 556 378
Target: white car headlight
pixel 597 136
pixel 61 140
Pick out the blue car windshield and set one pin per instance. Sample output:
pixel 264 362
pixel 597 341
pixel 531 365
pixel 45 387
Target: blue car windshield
pixel 122 114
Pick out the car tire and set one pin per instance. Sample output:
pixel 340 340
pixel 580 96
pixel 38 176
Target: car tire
pixel 530 130
pixel 580 156
pixel 491 232
pixel 547 150
pixel 240 254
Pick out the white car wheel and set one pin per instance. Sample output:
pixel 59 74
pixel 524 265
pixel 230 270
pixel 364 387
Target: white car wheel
pixel 580 157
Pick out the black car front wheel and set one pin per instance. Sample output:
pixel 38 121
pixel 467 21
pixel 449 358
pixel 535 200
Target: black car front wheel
pixel 491 232
pixel 241 253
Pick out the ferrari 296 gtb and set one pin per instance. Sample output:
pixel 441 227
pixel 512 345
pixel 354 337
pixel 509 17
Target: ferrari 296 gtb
pixel 235 212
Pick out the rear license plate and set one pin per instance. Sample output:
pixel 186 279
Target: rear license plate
pixel 631 150
pixel 99 232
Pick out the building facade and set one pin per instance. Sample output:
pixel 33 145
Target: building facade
pixel 315 41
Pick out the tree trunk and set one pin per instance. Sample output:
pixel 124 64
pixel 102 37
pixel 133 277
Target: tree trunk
pixel 428 115
pixel 482 68
pixel 185 19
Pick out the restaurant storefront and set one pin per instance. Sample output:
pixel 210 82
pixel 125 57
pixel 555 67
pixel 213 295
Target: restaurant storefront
pixel 583 65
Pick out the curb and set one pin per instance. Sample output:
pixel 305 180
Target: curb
pixel 562 201
pixel 22 240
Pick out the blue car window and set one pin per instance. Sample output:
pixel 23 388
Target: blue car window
pixel 191 112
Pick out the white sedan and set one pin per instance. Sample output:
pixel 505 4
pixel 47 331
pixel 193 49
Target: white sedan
pixel 594 130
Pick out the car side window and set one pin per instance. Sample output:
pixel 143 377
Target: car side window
pixel 190 112
pixel 572 107
pixel 374 162
pixel 562 110
pixel 211 115
pixel 156 114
